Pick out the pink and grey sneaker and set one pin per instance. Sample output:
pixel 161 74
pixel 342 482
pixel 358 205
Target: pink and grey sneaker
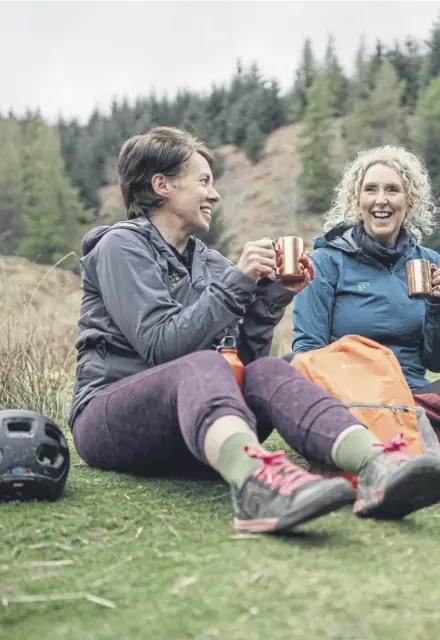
pixel 393 483
pixel 279 495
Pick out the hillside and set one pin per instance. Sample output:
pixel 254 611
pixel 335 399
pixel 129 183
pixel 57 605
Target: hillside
pixel 40 307
pixel 52 294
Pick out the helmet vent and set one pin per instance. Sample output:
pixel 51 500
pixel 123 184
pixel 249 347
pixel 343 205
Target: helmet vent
pixel 51 432
pixel 47 454
pixel 19 428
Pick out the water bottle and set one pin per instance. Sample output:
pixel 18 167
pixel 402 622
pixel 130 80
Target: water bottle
pixel 228 349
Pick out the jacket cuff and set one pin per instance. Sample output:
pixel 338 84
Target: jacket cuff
pixel 241 286
pixel 273 292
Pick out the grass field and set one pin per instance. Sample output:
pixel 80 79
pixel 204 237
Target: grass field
pixel 164 559
pixel 121 558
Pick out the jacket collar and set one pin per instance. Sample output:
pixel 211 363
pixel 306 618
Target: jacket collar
pixel 155 238
pixel 341 237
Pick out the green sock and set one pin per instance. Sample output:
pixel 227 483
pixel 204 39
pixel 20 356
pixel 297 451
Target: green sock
pixel 233 464
pixel 355 449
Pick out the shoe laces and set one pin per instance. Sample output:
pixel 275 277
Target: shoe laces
pixel 394 447
pixel 277 471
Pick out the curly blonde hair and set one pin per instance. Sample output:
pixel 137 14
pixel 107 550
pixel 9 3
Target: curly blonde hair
pixel 416 184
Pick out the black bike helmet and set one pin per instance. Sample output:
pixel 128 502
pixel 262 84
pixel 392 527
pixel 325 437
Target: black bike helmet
pixel 34 457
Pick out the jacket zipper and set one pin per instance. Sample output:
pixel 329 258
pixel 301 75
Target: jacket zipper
pixel 392 407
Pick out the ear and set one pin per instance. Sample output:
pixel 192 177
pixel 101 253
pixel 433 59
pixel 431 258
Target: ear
pixel 161 185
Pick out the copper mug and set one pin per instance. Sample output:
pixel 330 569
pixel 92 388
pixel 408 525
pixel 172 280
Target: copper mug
pixel 288 251
pixel 419 276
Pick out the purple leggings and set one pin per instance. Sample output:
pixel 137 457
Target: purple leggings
pixel 155 422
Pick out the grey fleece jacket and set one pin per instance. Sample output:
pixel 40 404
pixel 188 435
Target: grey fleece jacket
pixel 141 307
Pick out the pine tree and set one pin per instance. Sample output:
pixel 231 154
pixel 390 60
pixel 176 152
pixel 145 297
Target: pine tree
pixel 316 179
pixel 11 186
pixel 254 142
pixel 123 123
pixel 296 101
pixel 337 82
pixel 180 105
pixel 356 128
pixel 154 109
pixel 397 59
pixel 68 133
pixel 195 119
pixel 85 154
pixel 433 57
pixel 359 87
pixel 252 78
pixel 377 119
pixel 86 172
pixel 240 113
pixel 166 112
pixel 414 63
pixel 375 64
pixel 101 142
pixel 386 119
pixel 237 85
pixel 426 132
pixel 426 138
pixel 53 212
pixel 216 113
pixel 271 109
pixel 407 63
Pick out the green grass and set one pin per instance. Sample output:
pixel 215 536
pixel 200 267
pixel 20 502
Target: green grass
pixel 165 554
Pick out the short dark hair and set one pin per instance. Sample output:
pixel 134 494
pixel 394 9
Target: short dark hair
pixel 161 150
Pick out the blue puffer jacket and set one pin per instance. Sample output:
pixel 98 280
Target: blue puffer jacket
pixel 356 294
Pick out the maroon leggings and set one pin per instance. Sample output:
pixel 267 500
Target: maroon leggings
pixel 155 422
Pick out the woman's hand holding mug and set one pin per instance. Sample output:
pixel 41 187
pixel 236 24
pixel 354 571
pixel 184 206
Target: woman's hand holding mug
pixel 435 280
pixel 283 261
pixel 423 279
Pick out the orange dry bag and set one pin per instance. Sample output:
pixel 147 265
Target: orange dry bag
pixel 368 379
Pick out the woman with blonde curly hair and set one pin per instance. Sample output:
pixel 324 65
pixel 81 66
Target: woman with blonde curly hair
pixel 383 206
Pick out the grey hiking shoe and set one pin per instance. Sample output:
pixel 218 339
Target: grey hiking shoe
pixel 280 495
pixel 394 484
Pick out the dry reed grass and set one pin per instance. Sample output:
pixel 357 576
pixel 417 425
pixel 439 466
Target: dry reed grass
pixel 38 316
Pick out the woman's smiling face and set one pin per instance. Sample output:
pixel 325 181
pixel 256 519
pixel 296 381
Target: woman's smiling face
pixel 383 204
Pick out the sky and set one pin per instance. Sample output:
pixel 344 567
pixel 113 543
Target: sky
pixel 70 57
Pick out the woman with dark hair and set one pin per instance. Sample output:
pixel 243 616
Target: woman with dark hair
pixel 153 395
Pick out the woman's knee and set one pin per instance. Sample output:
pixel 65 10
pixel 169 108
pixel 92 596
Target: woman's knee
pixel 268 365
pixel 267 370
pixel 208 360
pixel 208 380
